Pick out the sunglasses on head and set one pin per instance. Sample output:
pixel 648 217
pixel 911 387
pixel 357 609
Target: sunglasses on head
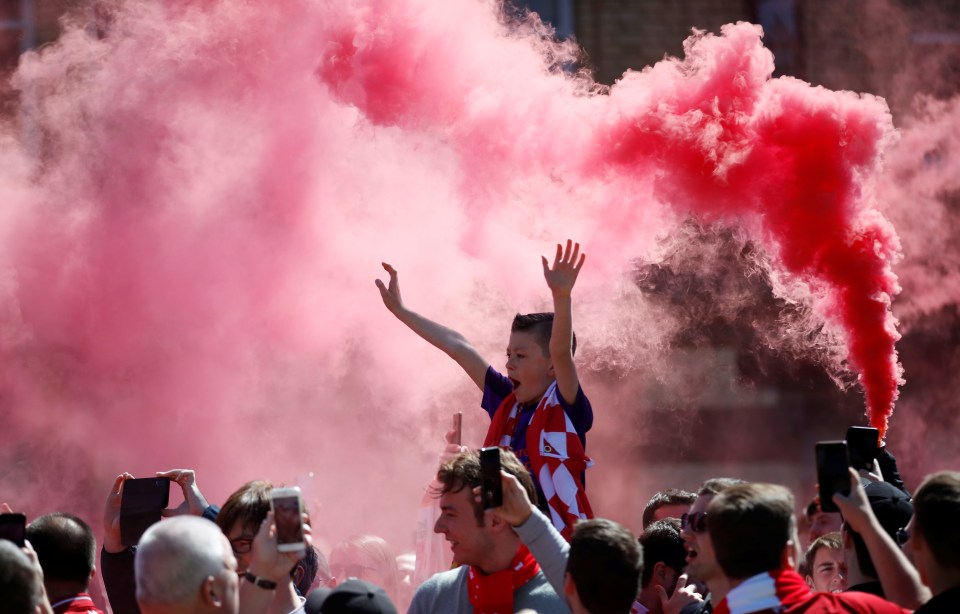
pixel 694 523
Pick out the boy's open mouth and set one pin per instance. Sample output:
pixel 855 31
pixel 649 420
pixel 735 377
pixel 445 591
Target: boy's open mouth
pixel 514 382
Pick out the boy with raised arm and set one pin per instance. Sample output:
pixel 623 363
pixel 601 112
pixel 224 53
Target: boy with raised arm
pixel 538 408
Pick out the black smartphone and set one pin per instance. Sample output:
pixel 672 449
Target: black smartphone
pixel 13 527
pixel 140 506
pixel 832 475
pixel 491 490
pixel 862 442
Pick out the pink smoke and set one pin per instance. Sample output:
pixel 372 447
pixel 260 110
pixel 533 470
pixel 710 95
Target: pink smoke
pixel 712 135
pixel 190 233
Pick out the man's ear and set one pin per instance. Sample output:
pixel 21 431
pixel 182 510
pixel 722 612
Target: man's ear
pixel 210 592
pixel 495 523
pixel 298 573
pixel 660 572
pixel 790 555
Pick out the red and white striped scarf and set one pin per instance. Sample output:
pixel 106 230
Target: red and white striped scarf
pixel 556 455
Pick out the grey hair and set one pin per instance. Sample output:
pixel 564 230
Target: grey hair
pixel 175 557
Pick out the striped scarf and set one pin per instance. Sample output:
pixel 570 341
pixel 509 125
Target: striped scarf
pixel 556 455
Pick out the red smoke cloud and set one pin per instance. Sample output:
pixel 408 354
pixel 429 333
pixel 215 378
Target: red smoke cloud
pixel 191 229
pixel 711 135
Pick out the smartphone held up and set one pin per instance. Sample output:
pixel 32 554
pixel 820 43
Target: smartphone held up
pixel 833 476
pixel 141 503
pixel 13 527
pixel 491 488
pixel 287 506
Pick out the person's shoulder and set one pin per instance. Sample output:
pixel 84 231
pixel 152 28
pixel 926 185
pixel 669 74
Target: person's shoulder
pixel 439 592
pixel 444 580
pixel 862 602
pixel 538 595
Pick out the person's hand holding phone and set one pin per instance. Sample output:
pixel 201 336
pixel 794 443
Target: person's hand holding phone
pixel 194 502
pixel 111 515
pixel 516 508
pixel 453 438
pixel 855 507
pixel 267 561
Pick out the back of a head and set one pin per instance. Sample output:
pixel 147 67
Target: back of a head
pixel 670 496
pixel 540 325
pixel 893 510
pixel 376 553
pixel 463 471
pixel 351 597
pixel 936 513
pixel 662 543
pixel 314 564
pixel 605 564
pixel 66 548
pixel 715 486
pixel 174 558
pixel 750 524
pixel 20 585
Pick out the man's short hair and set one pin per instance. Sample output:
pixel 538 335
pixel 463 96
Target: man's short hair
pixel 20 584
pixel 936 513
pixel 248 505
pixel 174 558
pixel 463 471
pixel 750 524
pixel 830 541
pixel 540 325
pixel 662 543
pixel 310 563
pixel 65 546
pixel 605 564
pixel 715 486
pixel 670 496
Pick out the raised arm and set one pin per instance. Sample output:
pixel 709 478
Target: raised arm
pixel 533 528
pixel 900 579
pixel 452 343
pixel 560 279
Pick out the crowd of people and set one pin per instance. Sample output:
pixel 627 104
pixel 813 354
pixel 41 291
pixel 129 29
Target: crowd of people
pixel 731 547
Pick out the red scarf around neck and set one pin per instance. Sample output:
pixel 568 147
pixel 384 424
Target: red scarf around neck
pixel 493 593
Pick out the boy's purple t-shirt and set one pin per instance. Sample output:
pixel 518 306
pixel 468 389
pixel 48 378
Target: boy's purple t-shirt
pixel 496 387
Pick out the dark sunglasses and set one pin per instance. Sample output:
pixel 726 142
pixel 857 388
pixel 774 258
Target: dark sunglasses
pixel 241 545
pixel 903 536
pixel 694 523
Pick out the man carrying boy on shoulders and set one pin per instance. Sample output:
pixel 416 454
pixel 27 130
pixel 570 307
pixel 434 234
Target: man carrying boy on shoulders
pixel 538 409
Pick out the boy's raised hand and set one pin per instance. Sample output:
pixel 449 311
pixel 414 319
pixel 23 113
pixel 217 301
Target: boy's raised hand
pixel 390 294
pixel 566 266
